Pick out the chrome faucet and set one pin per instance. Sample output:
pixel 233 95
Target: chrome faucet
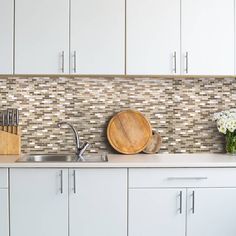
pixel 79 149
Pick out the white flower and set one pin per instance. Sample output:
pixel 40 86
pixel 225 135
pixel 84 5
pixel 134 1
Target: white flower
pixel 226 121
pixel 222 130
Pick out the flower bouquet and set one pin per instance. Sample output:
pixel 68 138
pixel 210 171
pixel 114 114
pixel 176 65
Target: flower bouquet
pixel 226 124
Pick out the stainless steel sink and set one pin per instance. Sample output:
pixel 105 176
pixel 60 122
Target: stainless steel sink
pixel 61 158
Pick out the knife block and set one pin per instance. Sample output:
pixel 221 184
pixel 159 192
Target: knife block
pixel 10 144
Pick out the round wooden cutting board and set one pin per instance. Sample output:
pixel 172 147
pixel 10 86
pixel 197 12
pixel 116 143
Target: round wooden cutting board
pixel 129 132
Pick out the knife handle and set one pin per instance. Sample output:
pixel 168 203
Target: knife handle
pixel 10 129
pixel 17 130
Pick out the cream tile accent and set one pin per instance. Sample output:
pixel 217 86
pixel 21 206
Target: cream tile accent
pixel 180 109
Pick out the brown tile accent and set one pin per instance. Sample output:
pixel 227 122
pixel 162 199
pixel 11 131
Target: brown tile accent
pixel 180 109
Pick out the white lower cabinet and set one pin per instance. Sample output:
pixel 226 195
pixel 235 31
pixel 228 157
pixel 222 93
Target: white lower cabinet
pixel 158 208
pixel 211 212
pixel 62 202
pixel 93 201
pixel 4 216
pixel 157 212
pixel 39 202
pixel 98 202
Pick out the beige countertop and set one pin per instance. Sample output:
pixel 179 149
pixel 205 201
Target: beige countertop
pixel 134 161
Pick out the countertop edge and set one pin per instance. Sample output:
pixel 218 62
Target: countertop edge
pixel 207 160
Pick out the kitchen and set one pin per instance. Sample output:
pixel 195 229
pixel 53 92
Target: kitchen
pixel 84 62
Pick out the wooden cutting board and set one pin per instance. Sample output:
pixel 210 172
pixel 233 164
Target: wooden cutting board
pixel 129 132
pixel 155 144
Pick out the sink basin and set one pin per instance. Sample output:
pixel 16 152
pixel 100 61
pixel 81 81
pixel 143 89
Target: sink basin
pixel 61 158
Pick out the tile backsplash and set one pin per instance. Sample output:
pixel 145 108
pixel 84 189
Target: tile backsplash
pixel 180 109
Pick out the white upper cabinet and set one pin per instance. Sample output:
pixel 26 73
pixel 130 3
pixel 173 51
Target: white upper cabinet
pixel 208 37
pixel 97 37
pixel 6 36
pixel 98 202
pixel 41 36
pixel 153 37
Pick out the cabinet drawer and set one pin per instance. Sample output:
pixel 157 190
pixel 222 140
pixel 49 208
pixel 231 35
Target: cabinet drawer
pixel 3 178
pixel 182 177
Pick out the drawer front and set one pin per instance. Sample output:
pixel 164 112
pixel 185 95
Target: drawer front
pixel 3 178
pixel 182 177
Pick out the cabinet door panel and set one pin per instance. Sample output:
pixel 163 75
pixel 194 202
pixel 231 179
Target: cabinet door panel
pixel 208 36
pixel 37 206
pixel 41 36
pixel 4 216
pixel 153 36
pixel 98 36
pixel 6 38
pixel 98 204
pixel 155 212
pixel 214 212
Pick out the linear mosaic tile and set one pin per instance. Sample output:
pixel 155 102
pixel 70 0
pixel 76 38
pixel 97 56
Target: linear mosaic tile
pixel 180 109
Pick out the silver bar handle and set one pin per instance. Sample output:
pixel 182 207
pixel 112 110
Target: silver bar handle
pixel 63 61
pixel 61 176
pixel 175 62
pixel 180 202
pixel 187 178
pixel 74 177
pixel 186 62
pixel 75 61
pixel 193 202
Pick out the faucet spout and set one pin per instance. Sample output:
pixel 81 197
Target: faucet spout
pixel 77 141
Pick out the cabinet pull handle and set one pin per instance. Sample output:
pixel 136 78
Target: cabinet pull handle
pixel 63 61
pixel 187 178
pixel 74 177
pixel 193 202
pixel 75 61
pixel 61 177
pixel 186 61
pixel 180 202
pixel 175 62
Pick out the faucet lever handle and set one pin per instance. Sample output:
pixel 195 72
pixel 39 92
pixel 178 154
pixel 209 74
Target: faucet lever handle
pixel 84 146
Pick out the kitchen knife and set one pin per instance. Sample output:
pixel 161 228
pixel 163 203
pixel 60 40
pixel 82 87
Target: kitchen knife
pixel 4 121
pixel 1 123
pixel 16 121
pixel 9 120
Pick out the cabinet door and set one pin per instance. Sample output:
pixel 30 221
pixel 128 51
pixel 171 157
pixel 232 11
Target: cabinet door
pixel 41 36
pixel 6 38
pixel 155 212
pixel 97 36
pixel 4 216
pixel 153 37
pixel 39 202
pixel 211 212
pixel 208 37
pixel 98 202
